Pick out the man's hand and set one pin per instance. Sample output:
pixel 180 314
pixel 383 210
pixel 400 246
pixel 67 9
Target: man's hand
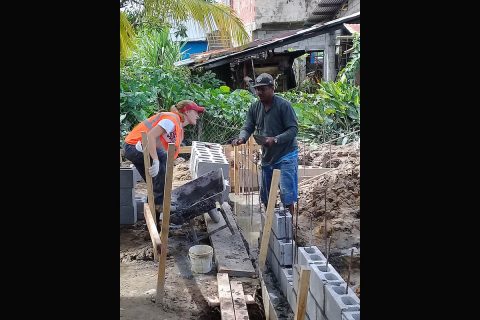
pixel 153 170
pixel 237 142
pixel 269 141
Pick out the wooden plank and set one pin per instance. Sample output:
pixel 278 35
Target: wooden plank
pixel 152 230
pixel 167 198
pixel 304 284
pixel 185 149
pixel 151 198
pixel 214 302
pixel 267 228
pixel 229 250
pixel 239 303
pixel 225 296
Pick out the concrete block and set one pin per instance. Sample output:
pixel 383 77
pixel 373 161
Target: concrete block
pixel 293 299
pixel 283 250
pixel 351 315
pixel 282 219
pixel 308 255
pixel 126 178
pixel 336 302
pixel 311 306
pixel 127 196
pixel 140 202
pixel 128 214
pixel 136 175
pixel 296 275
pixel 320 315
pixel 203 165
pixel 319 277
pixel 286 275
pixel 275 265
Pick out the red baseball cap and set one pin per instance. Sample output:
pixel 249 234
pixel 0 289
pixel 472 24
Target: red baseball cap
pixel 193 106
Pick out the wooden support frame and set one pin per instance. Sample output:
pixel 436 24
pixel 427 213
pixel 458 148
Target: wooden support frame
pixel 167 198
pixel 267 228
pixel 303 286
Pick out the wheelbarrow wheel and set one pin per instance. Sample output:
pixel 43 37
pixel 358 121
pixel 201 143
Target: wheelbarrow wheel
pixel 214 215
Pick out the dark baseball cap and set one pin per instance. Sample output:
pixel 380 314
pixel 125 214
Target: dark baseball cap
pixel 264 79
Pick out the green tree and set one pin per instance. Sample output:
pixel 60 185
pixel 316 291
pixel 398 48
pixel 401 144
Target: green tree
pixel 209 16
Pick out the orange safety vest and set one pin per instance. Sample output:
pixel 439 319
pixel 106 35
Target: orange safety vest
pixel 146 125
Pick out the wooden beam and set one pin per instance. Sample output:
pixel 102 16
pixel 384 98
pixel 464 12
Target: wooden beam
pixel 303 286
pixel 225 296
pixel 146 159
pixel 152 229
pixel 267 228
pixel 239 303
pixel 167 198
pixel 186 149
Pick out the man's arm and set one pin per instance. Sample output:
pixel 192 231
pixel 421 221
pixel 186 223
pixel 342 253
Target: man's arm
pixel 290 123
pixel 249 125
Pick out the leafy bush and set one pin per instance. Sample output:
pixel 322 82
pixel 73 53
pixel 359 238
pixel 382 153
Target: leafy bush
pixel 331 112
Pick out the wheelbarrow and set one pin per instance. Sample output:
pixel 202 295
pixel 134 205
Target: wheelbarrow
pixel 194 198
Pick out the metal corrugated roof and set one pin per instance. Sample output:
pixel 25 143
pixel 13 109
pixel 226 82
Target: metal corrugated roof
pixel 220 57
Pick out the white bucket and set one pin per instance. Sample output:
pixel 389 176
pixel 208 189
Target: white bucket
pixel 201 258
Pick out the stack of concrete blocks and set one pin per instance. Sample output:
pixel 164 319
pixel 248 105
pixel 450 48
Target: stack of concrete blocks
pixel 206 157
pixel 281 247
pixel 326 299
pixel 128 205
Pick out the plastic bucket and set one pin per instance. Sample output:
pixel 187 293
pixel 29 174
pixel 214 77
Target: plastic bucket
pixel 201 258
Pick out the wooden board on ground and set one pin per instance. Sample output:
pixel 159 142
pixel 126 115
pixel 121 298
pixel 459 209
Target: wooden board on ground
pixel 230 253
pixel 225 296
pixel 239 303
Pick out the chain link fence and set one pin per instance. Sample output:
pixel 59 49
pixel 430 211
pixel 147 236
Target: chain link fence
pixel 213 129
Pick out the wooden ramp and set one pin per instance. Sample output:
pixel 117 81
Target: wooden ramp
pixel 230 253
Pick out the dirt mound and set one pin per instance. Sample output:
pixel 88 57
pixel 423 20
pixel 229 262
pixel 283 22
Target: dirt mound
pixel 341 189
pixel 181 171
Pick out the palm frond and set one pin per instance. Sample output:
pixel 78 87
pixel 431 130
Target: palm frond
pixel 127 36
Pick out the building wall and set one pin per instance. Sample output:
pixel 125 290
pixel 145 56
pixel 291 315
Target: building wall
pixel 245 9
pixel 353 7
pixel 271 11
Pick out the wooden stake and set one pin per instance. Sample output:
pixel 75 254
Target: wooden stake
pixel 267 228
pixel 148 177
pixel 167 198
pixel 304 284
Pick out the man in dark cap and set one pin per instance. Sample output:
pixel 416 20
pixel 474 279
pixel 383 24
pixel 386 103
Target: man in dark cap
pixel 274 119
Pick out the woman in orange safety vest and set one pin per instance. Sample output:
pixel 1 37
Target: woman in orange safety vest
pixel 162 128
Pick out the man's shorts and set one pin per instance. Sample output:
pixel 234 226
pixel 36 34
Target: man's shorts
pixel 288 181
